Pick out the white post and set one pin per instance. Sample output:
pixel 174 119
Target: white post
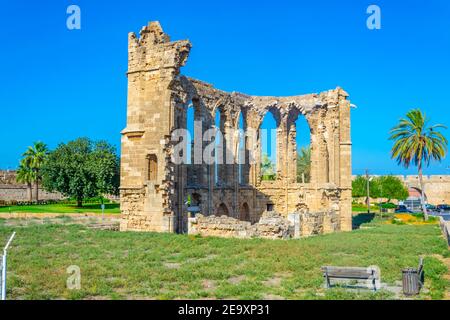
pixel 294 219
pixel 4 276
pixel 4 267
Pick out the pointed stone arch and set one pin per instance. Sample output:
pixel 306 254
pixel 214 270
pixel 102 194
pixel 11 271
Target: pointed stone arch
pixel 298 124
pixel 222 210
pixel 244 214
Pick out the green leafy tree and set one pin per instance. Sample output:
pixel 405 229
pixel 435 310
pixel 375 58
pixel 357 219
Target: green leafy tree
pixel 267 168
pixel 35 157
pixel 375 187
pixel 304 165
pixel 391 187
pixel 418 143
pixel 359 187
pixel 26 175
pixel 82 169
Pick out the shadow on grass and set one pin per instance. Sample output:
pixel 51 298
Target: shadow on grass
pixel 362 218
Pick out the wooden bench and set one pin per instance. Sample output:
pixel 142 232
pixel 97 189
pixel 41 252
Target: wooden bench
pixel 371 275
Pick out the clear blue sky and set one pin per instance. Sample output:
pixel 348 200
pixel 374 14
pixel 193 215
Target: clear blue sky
pixel 59 84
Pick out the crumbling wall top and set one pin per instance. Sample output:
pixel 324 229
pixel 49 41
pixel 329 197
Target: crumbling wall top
pixel 195 89
pixel 153 50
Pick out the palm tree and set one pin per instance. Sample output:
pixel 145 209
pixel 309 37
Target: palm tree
pixel 36 156
pixel 304 165
pixel 415 142
pixel 25 174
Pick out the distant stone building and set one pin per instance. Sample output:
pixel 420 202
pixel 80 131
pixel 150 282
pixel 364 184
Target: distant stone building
pixel 437 188
pixel 157 194
pixel 11 191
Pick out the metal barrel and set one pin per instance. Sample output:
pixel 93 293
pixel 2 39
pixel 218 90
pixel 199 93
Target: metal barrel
pixel 411 284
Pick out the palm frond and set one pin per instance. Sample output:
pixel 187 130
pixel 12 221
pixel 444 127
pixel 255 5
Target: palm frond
pixel 415 142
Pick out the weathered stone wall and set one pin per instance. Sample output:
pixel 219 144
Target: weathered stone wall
pixel 8 177
pixel 154 190
pixel 12 191
pixel 315 223
pixel 271 225
pixel 11 194
pixel 437 187
pixel 153 64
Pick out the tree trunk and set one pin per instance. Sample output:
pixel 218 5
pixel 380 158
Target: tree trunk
pixel 422 193
pixel 79 202
pixel 368 191
pixel 30 192
pixel 37 190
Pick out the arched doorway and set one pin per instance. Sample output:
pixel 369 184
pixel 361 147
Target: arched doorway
pixel 219 170
pixel 413 202
pixel 303 148
pixel 222 210
pixel 244 215
pixel 269 140
pixel 241 152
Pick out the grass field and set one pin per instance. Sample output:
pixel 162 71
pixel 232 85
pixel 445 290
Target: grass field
pixel 121 265
pixel 61 208
pixel 110 208
pixel 363 208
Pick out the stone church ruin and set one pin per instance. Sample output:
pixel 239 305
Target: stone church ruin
pixel 160 195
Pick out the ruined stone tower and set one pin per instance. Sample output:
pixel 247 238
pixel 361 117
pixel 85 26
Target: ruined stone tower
pixel 155 190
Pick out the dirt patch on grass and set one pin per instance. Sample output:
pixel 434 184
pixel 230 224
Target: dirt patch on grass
pixel 202 259
pixel 172 265
pixel 140 298
pixel 110 223
pixel 237 279
pixel 27 215
pixel 273 282
pixel 277 278
pixel 209 285
pixel 97 298
pixel 272 297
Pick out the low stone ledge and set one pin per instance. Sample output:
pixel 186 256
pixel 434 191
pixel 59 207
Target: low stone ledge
pixel 270 226
pixel 445 227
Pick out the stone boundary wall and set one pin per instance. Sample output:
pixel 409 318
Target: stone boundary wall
pixel 437 187
pixel 7 177
pixel 17 193
pixel 445 227
pixel 270 226
pixel 12 191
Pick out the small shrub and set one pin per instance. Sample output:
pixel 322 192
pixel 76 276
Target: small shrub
pixel 388 205
pixel 397 221
pixel 418 215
